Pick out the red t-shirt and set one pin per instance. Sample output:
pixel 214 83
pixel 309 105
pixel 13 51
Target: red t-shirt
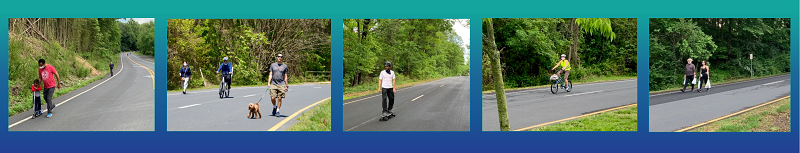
pixel 48 76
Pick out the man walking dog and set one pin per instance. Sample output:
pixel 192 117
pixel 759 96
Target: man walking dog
pixel 277 84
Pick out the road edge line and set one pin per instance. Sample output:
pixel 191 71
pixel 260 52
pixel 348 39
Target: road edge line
pixel 575 117
pixel 731 115
pixel 287 119
pixel 152 77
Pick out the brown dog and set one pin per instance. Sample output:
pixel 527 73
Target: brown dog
pixel 254 110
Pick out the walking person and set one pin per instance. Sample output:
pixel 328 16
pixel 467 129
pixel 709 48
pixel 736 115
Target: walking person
pixel 185 73
pixel 703 76
pixel 277 83
pixel 689 75
pixel 386 83
pixel 50 81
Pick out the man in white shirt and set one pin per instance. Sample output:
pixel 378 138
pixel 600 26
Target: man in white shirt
pixel 387 88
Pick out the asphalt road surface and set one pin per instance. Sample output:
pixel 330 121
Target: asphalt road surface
pixel 124 102
pixel 674 110
pixel 203 110
pixel 536 106
pixel 441 105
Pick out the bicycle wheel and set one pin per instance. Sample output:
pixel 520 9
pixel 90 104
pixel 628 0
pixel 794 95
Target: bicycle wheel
pixel 554 87
pixel 569 85
pixel 221 90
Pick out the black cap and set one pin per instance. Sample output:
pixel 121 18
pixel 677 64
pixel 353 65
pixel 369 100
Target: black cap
pixel 387 63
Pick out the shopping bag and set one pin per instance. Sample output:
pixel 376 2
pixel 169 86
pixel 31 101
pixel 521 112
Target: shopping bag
pixel 708 84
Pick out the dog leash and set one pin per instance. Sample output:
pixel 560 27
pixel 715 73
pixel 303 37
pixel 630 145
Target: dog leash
pixel 262 96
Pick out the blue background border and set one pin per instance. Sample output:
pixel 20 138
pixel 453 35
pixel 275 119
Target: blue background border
pixel 473 141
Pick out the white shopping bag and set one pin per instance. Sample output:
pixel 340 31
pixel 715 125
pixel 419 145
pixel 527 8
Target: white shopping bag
pixel 708 84
pixel 694 80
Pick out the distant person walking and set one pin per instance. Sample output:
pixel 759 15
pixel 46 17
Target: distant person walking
pixel 703 76
pixel 689 75
pixel 278 84
pixel 50 81
pixel 111 67
pixel 185 73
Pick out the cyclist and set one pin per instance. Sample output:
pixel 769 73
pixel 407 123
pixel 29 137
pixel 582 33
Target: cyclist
pixel 564 63
pixel 227 70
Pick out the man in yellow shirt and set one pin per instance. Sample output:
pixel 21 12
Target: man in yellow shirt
pixel 564 63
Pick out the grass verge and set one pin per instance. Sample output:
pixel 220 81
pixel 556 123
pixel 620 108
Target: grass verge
pixel 624 119
pixel 775 117
pixel 316 119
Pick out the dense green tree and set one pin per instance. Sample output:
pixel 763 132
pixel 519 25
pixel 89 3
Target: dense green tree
pixel 725 43
pixel 529 47
pixel 251 45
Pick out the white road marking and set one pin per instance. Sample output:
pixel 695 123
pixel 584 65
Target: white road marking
pixel 773 82
pixel 417 97
pixel 360 99
pixel 122 66
pixel 361 124
pixel 250 95
pixel 584 93
pixel 188 106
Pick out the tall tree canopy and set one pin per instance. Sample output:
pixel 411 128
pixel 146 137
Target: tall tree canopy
pixel 418 48
pixel 251 45
pixel 529 47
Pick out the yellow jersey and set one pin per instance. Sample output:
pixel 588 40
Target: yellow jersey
pixel 565 65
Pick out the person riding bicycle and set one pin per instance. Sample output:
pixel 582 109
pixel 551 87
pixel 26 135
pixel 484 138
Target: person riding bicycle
pixel 564 63
pixel 227 70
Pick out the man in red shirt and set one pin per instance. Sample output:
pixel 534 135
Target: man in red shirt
pixel 49 82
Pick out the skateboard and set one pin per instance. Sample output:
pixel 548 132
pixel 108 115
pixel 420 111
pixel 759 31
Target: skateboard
pixel 386 117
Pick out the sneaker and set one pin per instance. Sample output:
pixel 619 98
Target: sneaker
pixel 49 115
pixel 273 110
pixel 683 90
pixel 184 92
pixel 278 114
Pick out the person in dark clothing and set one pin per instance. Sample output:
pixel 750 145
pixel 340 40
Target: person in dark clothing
pixel 185 73
pixel 111 67
pixel 703 76
pixel 689 75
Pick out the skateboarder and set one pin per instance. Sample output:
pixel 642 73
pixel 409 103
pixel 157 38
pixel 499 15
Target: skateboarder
pixel 277 83
pixel 50 81
pixel 386 89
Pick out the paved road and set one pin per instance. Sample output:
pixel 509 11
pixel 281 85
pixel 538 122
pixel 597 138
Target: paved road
pixel 203 110
pixel 441 105
pixel 124 102
pixel 675 110
pixel 531 107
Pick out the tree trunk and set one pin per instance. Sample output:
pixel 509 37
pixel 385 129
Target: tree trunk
pixel 494 59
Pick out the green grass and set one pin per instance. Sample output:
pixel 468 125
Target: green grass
pixel 574 82
pixel 718 81
pixel 23 55
pixel 771 118
pixel 618 120
pixel 316 119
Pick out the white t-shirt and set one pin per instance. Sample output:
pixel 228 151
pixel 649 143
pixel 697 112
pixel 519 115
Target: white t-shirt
pixel 386 79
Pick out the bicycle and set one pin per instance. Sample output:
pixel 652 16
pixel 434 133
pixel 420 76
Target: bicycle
pixel 558 82
pixel 224 91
